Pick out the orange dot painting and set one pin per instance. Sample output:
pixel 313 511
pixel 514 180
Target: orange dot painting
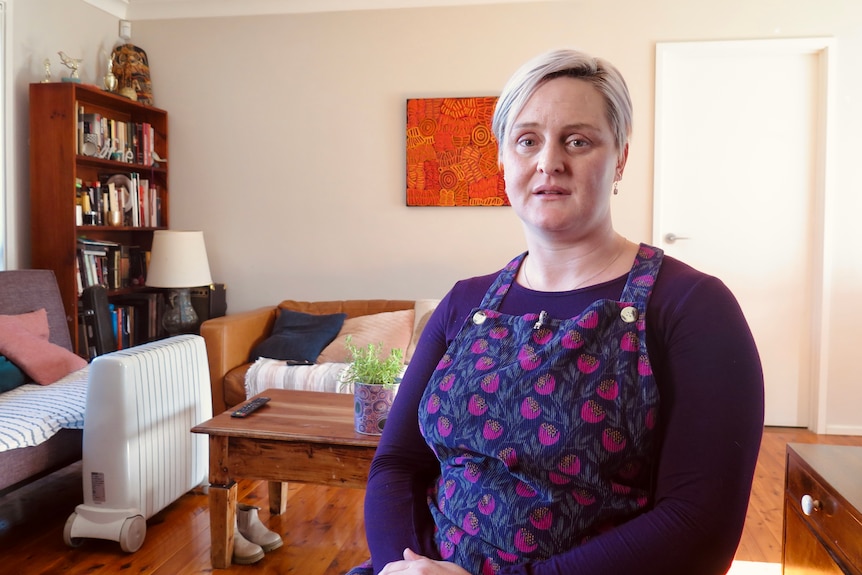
pixel 452 153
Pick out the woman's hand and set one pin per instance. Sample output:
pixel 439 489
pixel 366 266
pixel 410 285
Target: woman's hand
pixel 414 563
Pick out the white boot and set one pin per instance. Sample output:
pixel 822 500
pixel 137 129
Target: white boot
pixel 253 530
pixel 244 551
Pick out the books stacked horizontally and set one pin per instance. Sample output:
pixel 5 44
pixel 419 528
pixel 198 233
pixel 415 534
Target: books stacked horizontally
pixel 112 265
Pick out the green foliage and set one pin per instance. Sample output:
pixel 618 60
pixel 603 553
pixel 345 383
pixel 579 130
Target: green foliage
pixel 369 367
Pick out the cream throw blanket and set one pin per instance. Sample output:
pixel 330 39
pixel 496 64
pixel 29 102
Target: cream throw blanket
pixel 274 374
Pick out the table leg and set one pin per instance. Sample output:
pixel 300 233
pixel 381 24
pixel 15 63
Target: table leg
pixel 277 497
pixel 222 519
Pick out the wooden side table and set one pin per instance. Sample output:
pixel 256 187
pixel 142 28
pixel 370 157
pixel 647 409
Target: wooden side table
pixel 822 510
pixel 304 436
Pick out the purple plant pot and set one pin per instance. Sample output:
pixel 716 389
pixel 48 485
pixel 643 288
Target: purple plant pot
pixel 371 404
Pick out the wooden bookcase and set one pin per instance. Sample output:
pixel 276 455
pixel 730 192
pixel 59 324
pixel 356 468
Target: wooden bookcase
pixel 58 162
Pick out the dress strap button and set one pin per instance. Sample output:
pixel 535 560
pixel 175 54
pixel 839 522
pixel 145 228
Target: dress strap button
pixel 629 314
pixel 479 317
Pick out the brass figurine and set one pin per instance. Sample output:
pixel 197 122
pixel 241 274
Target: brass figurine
pixel 47 65
pixel 110 80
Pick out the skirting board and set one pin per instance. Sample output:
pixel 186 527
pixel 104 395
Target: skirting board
pixel 843 430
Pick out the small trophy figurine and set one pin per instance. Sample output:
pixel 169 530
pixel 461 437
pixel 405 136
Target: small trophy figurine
pixel 47 64
pixel 110 80
pixel 72 64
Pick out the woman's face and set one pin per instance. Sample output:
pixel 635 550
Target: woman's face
pixel 560 161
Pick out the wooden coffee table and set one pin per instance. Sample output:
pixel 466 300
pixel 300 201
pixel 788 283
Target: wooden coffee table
pixel 304 436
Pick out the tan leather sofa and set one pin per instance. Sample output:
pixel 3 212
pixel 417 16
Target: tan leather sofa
pixel 231 338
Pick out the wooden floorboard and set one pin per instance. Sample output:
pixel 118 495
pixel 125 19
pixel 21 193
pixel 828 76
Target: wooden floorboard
pixel 762 534
pixel 323 529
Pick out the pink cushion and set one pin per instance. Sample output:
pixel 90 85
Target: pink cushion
pixel 391 329
pixel 42 360
pixel 36 322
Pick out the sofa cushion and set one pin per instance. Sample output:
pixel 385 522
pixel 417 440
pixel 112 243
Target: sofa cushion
pixel 390 329
pixel 298 336
pixel 11 375
pixel 424 308
pixel 42 360
pixel 36 322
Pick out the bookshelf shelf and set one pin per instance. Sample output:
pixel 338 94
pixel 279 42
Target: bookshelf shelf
pixel 106 164
pixel 85 229
pixel 63 169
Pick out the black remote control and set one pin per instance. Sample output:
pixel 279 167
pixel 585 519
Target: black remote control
pixel 249 407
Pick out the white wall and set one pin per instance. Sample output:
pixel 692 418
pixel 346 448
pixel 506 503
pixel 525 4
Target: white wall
pixel 287 135
pixel 40 29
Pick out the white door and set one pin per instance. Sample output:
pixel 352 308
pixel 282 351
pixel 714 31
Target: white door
pixel 738 126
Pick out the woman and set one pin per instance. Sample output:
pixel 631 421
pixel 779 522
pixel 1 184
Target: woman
pixel 595 407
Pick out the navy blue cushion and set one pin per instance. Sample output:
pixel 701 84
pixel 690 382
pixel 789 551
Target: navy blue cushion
pixel 11 375
pixel 298 336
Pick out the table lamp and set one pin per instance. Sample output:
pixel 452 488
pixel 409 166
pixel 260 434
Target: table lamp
pixel 178 261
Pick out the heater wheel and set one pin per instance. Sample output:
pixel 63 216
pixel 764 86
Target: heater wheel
pixel 132 533
pixel 67 532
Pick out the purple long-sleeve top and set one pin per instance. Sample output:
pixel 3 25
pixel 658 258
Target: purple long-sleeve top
pixel 710 382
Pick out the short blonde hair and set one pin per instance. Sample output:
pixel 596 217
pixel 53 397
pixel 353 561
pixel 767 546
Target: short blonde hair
pixel 566 63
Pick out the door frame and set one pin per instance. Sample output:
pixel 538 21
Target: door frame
pixel 823 218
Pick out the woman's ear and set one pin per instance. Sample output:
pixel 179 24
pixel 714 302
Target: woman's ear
pixel 621 161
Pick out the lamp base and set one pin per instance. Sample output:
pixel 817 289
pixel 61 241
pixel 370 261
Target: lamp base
pixel 180 316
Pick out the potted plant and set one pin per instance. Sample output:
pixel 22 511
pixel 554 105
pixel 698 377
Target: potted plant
pixel 375 381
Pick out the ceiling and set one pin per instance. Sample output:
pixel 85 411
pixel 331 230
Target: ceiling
pixel 169 9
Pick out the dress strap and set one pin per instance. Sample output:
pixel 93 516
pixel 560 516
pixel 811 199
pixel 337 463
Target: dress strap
pixel 643 275
pixel 494 296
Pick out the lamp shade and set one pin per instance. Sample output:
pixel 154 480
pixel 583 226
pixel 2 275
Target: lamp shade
pixel 178 259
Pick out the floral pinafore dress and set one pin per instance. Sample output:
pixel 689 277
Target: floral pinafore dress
pixel 543 427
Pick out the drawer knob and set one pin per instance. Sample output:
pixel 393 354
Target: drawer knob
pixel 810 505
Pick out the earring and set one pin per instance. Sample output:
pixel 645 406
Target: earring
pixel 616 188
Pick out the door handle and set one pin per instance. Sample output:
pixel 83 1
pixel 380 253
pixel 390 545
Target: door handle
pixel 671 237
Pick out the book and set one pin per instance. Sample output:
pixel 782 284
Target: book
pixel 95 300
pixel 126 186
pixel 86 332
pixel 144 195
pixel 99 262
pixel 90 136
pixel 138 258
pixel 156 219
pixel 115 280
pixel 143 310
pixel 135 198
pixel 110 138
